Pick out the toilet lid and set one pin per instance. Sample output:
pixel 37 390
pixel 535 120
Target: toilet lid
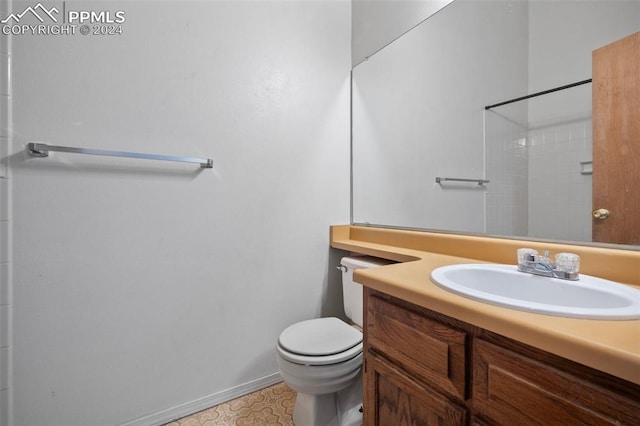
pixel 319 337
pixel 355 353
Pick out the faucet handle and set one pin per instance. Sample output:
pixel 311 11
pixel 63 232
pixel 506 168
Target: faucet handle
pixel 526 255
pixel 568 262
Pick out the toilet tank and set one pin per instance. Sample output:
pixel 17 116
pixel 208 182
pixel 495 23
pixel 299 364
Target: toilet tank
pixel 352 291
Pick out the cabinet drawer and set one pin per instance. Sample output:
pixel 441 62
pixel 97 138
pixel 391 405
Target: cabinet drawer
pixel 424 348
pixel 512 388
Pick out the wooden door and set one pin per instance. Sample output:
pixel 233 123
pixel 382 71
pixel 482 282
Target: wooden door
pixel 616 141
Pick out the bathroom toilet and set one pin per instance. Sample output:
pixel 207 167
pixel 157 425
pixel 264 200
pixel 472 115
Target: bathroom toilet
pixel 321 359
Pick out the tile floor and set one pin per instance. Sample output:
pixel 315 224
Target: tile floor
pixel 272 406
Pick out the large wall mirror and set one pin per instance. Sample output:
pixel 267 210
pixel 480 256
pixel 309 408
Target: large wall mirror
pixel 431 151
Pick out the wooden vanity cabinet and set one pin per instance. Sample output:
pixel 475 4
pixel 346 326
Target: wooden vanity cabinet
pixel 424 368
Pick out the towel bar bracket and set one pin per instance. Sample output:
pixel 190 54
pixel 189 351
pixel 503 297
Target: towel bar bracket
pixel 34 150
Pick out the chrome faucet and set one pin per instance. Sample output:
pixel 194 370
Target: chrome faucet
pixel 565 268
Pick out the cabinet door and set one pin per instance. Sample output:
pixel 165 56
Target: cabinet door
pixel 509 388
pixel 392 398
pixel 427 349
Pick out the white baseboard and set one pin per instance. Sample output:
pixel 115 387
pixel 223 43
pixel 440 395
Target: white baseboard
pixel 200 404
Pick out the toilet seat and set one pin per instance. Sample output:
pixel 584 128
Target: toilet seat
pixel 321 341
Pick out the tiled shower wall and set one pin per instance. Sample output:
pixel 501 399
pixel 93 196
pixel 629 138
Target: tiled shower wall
pixel 537 187
pixel 5 300
pixel 560 138
pixel 559 194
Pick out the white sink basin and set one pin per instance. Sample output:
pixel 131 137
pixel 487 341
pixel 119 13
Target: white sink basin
pixel 503 285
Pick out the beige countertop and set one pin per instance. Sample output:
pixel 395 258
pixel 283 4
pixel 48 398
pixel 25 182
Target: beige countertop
pixel 609 346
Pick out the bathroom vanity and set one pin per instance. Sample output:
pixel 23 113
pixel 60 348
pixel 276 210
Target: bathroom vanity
pixel 425 368
pixel 433 357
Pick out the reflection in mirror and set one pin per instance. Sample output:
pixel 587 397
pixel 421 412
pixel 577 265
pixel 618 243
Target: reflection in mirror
pixel 376 23
pixel 419 113
pixel 536 150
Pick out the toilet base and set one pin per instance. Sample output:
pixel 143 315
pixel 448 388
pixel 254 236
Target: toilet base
pixel 341 408
pixel 349 404
pixel 312 410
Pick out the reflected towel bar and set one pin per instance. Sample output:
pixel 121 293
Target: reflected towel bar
pixel 478 181
pixel 42 150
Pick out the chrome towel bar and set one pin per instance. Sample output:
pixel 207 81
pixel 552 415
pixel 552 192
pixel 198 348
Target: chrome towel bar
pixel 42 150
pixel 478 181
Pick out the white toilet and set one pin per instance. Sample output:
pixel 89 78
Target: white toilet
pixel 321 359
